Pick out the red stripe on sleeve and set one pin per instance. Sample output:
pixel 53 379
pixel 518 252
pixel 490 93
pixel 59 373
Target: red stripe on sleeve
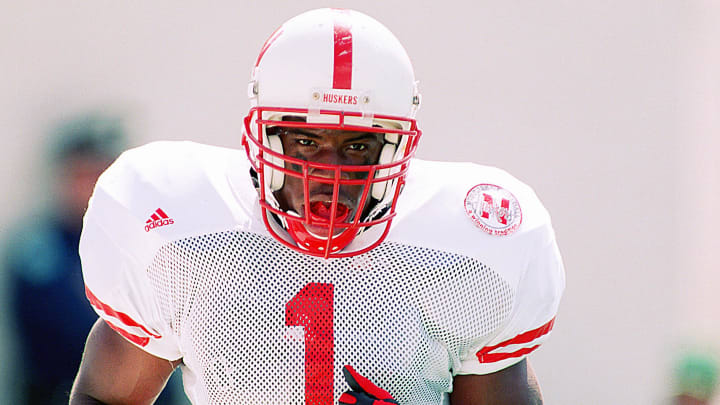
pixel 122 317
pixel 485 356
pixel 493 357
pixel 138 340
pixel 342 69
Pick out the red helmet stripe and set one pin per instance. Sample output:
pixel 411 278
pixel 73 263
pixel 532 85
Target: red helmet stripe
pixel 342 69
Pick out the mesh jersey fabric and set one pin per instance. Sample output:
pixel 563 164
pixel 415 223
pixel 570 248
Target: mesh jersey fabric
pixel 255 322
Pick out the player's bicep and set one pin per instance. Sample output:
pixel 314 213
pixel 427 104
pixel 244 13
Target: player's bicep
pixel 514 385
pixel 115 371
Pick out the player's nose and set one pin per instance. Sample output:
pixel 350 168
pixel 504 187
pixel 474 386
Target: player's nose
pixel 326 163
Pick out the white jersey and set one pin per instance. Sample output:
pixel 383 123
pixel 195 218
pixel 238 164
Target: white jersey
pixel 176 258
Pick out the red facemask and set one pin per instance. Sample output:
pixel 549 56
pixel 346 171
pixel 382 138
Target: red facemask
pixel 325 228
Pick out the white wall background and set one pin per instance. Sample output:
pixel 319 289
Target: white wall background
pixel 609 109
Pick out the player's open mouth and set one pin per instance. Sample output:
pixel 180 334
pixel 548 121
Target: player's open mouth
pixel 321 211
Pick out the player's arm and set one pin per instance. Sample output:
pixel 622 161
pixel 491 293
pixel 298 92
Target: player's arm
pixel 515 385
pixel 114 371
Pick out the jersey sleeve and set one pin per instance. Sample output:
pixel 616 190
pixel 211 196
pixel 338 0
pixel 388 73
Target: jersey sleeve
pixel 537 299
pixel 115 252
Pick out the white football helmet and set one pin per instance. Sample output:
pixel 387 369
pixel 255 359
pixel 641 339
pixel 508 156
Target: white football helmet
pixel 332 69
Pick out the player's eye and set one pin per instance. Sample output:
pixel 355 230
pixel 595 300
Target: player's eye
pixel 357 147
pixel 305 142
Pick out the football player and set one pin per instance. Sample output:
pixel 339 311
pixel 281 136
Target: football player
pixel 276 277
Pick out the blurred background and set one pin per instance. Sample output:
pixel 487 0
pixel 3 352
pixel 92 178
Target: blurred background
pixel 610 110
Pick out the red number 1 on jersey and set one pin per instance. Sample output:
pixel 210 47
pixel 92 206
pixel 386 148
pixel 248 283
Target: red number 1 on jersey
pixel 312 308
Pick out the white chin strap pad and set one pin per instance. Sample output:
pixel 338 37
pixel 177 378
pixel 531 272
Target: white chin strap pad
pixel 274 178
pixel 387 154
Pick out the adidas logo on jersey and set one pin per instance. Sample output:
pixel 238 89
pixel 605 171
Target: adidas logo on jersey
pixel 157 219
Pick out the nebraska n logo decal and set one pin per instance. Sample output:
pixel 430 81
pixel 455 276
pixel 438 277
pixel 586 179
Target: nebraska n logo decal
pixel 493 209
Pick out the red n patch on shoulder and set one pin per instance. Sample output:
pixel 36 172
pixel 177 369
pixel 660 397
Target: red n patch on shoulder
pixel 493 209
